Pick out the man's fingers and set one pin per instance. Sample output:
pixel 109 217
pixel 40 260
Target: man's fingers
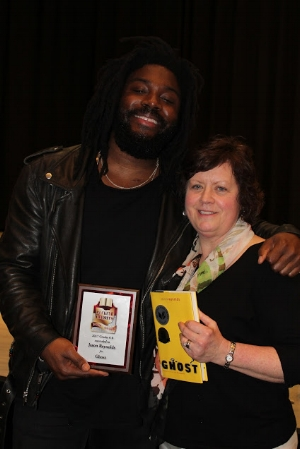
pixel 264 250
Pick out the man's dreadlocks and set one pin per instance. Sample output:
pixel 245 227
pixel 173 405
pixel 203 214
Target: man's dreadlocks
pixel 103 107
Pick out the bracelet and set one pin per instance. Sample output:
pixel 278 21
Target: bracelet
pixel 229 356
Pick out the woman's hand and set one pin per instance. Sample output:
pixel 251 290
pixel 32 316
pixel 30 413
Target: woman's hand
pixel 206 343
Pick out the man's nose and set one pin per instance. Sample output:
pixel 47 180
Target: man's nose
pixel 152 100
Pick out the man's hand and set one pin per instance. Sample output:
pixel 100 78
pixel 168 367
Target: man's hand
pixel 65 362
pixel 283 252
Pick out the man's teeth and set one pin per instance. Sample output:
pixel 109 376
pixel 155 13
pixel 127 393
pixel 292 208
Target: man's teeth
pixel 147 119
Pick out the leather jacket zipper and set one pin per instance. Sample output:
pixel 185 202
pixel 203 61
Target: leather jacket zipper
pixel 52 284
pixel 150 288
pixel 40 376
pixel 25 393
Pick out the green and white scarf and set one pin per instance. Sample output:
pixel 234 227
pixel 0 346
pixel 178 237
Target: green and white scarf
pixel 197 278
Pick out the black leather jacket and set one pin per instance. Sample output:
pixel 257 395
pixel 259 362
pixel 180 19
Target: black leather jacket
pixel 39 262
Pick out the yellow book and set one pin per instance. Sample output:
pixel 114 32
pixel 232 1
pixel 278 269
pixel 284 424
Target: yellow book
pixel 169 308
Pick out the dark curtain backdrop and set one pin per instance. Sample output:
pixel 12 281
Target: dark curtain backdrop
pixel 246 50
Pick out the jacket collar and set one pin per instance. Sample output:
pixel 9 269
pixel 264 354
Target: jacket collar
pixel 58 166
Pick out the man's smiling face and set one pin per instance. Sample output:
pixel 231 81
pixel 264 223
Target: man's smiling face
pixel 148 113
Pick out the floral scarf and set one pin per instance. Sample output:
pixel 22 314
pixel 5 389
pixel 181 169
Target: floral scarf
pixel 197 278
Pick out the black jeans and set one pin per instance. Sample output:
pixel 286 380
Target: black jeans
pixel 34 429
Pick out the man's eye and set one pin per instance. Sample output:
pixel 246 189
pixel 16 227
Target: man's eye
pixel 167 100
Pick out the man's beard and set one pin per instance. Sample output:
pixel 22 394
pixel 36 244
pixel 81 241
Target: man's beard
pixel 139 145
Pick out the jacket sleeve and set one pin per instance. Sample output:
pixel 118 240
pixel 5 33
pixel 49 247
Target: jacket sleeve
pixel 21 295
pixel 266 230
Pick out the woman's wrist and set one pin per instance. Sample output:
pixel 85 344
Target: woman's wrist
pixel 224 349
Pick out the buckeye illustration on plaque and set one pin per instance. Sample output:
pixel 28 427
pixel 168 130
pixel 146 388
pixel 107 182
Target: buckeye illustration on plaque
pixel 104 316
pixel 105 326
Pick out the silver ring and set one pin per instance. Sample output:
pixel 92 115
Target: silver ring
pixel 187 344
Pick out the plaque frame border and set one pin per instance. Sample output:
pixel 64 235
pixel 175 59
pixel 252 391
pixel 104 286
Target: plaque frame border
pixel 130 342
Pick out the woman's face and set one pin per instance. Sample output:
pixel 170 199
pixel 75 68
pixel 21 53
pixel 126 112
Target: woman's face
pixel 211 202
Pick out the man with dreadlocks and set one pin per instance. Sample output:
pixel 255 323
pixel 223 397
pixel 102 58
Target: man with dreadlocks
pixel 101 213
